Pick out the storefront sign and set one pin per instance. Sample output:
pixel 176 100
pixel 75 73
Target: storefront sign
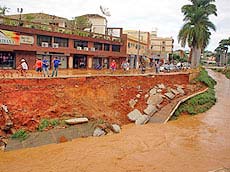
pixel 9 37
pixel 24 39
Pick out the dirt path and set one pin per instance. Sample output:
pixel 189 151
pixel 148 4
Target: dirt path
pixel 199 143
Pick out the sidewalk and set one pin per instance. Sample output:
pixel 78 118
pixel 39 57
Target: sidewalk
pixel 53 136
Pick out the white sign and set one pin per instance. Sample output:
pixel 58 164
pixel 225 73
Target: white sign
pixel 24 39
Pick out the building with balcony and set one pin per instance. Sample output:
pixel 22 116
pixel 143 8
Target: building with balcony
pixel 75 48
pixel 161 48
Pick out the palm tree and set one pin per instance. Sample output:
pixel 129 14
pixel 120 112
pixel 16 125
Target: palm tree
pixel 196 30
pixel 3 10
pixel 224 43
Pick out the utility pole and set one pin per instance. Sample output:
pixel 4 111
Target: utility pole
pixel 20 10
pixel 138 50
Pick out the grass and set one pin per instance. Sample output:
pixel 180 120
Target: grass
pixel 200 103
pixel 46 123
pixel 20 135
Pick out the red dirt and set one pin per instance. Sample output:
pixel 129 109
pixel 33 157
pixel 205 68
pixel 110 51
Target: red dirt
pixel 30 100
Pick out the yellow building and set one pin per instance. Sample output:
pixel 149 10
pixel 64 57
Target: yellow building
pixel 161 48
pixel 137 39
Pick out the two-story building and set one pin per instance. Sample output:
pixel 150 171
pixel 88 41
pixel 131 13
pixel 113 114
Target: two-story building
pixel 76 49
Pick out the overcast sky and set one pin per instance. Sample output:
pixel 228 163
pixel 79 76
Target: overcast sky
pixel 144 15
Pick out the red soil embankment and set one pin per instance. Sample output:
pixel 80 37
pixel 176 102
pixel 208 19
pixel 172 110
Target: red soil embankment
pixel 105 97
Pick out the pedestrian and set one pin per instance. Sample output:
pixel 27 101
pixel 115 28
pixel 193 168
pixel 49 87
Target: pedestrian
pixel 125 65
pixel 23 67
pixel 157 65
pixel 113 66
pixel 45 67
pixel 38 65
pixel 56 63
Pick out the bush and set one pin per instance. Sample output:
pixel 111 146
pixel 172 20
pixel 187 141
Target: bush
pixel 202 102
pixel 20 134
pixel 45 123
pixel 206 79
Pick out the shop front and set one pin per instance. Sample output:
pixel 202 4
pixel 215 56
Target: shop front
pixel 79 61
pixel 100 63
pixel 7 60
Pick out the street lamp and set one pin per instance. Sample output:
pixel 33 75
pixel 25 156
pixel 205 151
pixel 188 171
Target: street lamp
pixel 20 10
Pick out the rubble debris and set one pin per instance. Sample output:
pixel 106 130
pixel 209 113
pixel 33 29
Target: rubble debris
pixel 98 132
pixel 134 115
pixel 116 128
pixel 74 121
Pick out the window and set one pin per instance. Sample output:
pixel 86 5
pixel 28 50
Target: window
pixel 129 45
pixel 46 39
pixel 7 60
pixel 62 42
pixel 106 47
pixel 116 48
pixel 97 46
pixel 79 43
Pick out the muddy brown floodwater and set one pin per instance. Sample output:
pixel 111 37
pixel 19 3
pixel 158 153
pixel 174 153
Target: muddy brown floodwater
pixel 191 144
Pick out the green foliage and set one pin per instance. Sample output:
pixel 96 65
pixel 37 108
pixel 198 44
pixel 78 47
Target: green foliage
pixel 80 23
pixel 206 79
pixel 197 104
pixel 54 122
pixel 20 134
pixel 202 102
pixel 43 125
pixel 46 123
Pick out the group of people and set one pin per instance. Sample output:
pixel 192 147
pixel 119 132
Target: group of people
pixel 40 66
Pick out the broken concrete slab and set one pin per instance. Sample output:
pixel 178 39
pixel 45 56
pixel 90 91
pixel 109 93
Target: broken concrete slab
pixel 143 119
pixel 153 91
pixel 150 110
pixel 134 115
pixel 161 86
pixel 116 128
pixel 74 121
pixel 132 103
pixel 98 132
pixel 155 99
pixel 180 90
pixel 174 91
pixel 138 96
pixel 170 95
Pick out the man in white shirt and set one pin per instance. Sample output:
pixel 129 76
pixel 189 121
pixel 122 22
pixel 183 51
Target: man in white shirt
pixel 24 67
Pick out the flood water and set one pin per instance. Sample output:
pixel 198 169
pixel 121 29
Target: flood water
pixel 191 144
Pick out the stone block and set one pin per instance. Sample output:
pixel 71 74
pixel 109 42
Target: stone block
pixel 150 110
pixel 134 115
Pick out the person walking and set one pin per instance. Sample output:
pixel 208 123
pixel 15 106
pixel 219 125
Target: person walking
pixel 45 67
pixel 56 63
pixel 23 67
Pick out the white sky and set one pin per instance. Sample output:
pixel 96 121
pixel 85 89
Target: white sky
pixel 144 15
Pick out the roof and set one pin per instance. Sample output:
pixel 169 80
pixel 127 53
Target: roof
pixel 93 16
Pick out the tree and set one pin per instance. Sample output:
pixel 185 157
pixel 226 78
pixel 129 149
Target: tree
pixel 223 44
pixel 3 10
pixel 80 23
pixel 196 30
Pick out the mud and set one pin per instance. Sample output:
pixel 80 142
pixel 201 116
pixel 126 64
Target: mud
pixel 199 143
pixel 101 97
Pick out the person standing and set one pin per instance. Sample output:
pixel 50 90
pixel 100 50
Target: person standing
pixel 56 63
pixel 113 66
pixel 38 65
pixel 45 67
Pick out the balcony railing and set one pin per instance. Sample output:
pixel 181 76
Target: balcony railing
pixel 53 28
